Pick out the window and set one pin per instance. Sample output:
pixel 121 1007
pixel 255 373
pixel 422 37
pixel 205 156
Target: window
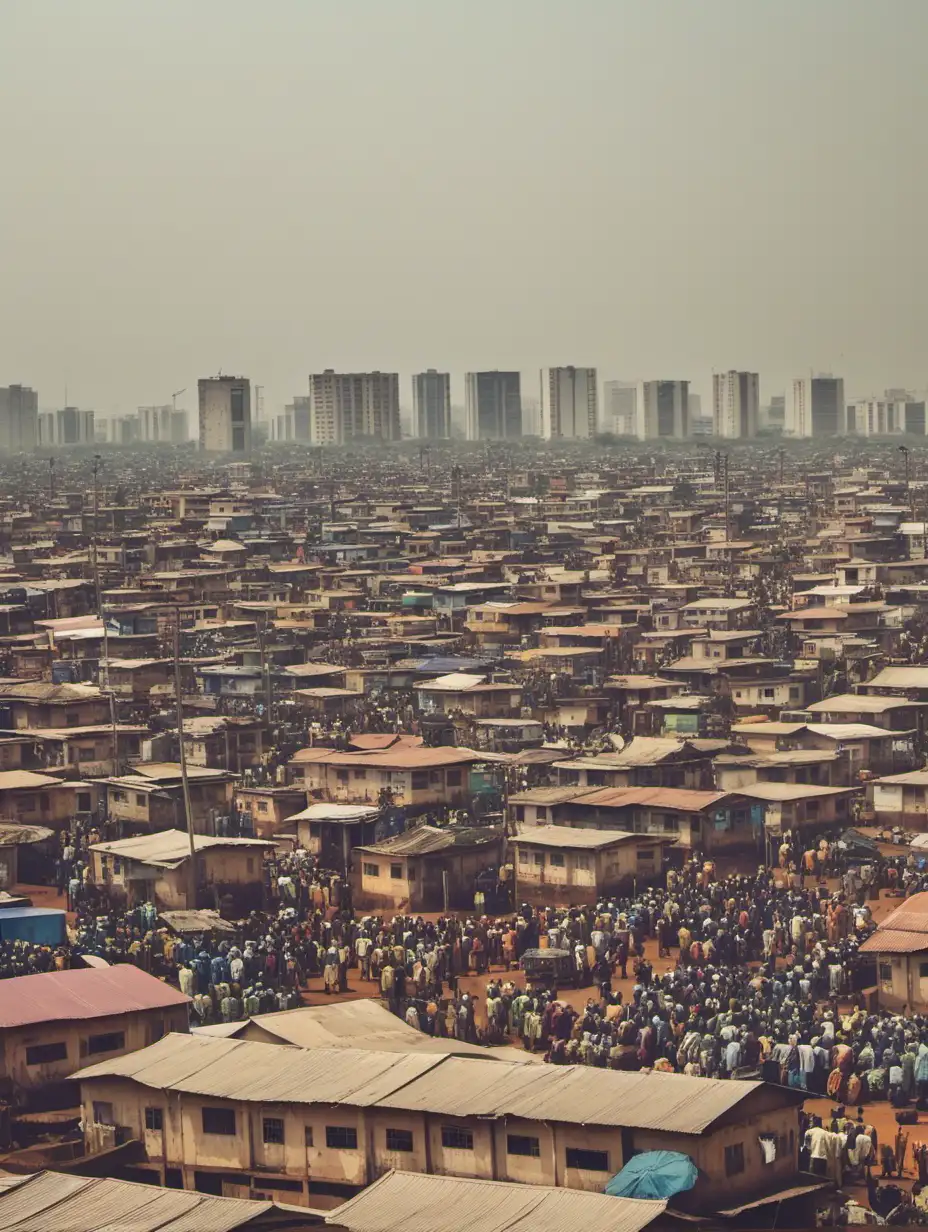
pixel 371 870
pixel 154 1119
pixel 399 1140
pixel 307 1135
pixel 272 1130
pixel 523 856
pixel 589 1161
pixel 556 859
pixel 540 858
pixel 219 1121
pixel 886 977
pixel 734 1159
pixel 396 872
pixel 521 1144
pixel 117 864
pixel 645 855
pixel 453 778
pixel 140 801
pixel 456 1139
pixel 41 1054
pixel 83 801
pixel 103 1113
pixel 922 971
pixel 582 861
pixel 112 1041
pixel 420 780
pixel 341 1138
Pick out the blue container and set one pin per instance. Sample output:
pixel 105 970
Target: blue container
pixel 40 925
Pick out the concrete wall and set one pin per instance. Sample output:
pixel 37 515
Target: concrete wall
pixel 140 1028
pixel 182 1144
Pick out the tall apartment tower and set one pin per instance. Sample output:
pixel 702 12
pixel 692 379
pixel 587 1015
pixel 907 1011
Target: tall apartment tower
pixel 663 410
pixel 431 405
pixel 19 414
pixel 620 407
pixel 74 427
pixel 298 410
pixel 225 414
pixel 493 406
pixel 735 404
pixel 354 406
pixel 178 427
pixel 155 424
pixel 817 407
pixel 573 404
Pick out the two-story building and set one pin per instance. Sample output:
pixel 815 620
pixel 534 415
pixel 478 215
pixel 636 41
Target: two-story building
pixel 311 1117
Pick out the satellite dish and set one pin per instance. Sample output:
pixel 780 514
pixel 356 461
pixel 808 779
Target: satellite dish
pixel 617 741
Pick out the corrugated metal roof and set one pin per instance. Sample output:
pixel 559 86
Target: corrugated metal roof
pixel 656 797
pixel 452 1086
pixel 100 1204
pixel 57 996
pixel 573 1094
pixel 568 836
pixel 893 941
pixel 171 846
pixel 911 916
pixel 425 839
pixel 272 1073
pixel 351 1024
pixel 412 1202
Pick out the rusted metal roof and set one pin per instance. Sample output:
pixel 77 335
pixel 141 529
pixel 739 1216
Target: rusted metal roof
pixel 413 1202
pixel 58 996
pixel 889 941
pixel 656 797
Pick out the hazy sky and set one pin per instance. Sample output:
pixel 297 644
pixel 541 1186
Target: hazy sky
pixel 656 187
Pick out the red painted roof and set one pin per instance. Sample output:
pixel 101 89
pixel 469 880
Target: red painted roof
pixel 91 992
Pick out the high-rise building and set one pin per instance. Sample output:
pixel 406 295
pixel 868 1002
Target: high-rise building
pixel 298 410
pixel 124 430
pixel 354 406
pixel 155 424
pixel 431 405
pixel 225 414
pixel 889 417
pixel 45 429
pixel 817 407
pixel 663 410
pixel 493 406
pixel 735 404
pixel 19 412
pixel 572 404
pixel 280 427
pixel 179 428
pixel 620 407
pixel 74 427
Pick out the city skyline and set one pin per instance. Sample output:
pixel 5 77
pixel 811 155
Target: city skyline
pixel 680 238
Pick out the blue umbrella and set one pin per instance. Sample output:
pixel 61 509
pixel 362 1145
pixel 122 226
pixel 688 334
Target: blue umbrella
pixel 654 1174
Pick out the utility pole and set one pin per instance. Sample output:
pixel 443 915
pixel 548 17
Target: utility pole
pixel 904 450
pixel 95 566
pixel 265 669
pixel 188 809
